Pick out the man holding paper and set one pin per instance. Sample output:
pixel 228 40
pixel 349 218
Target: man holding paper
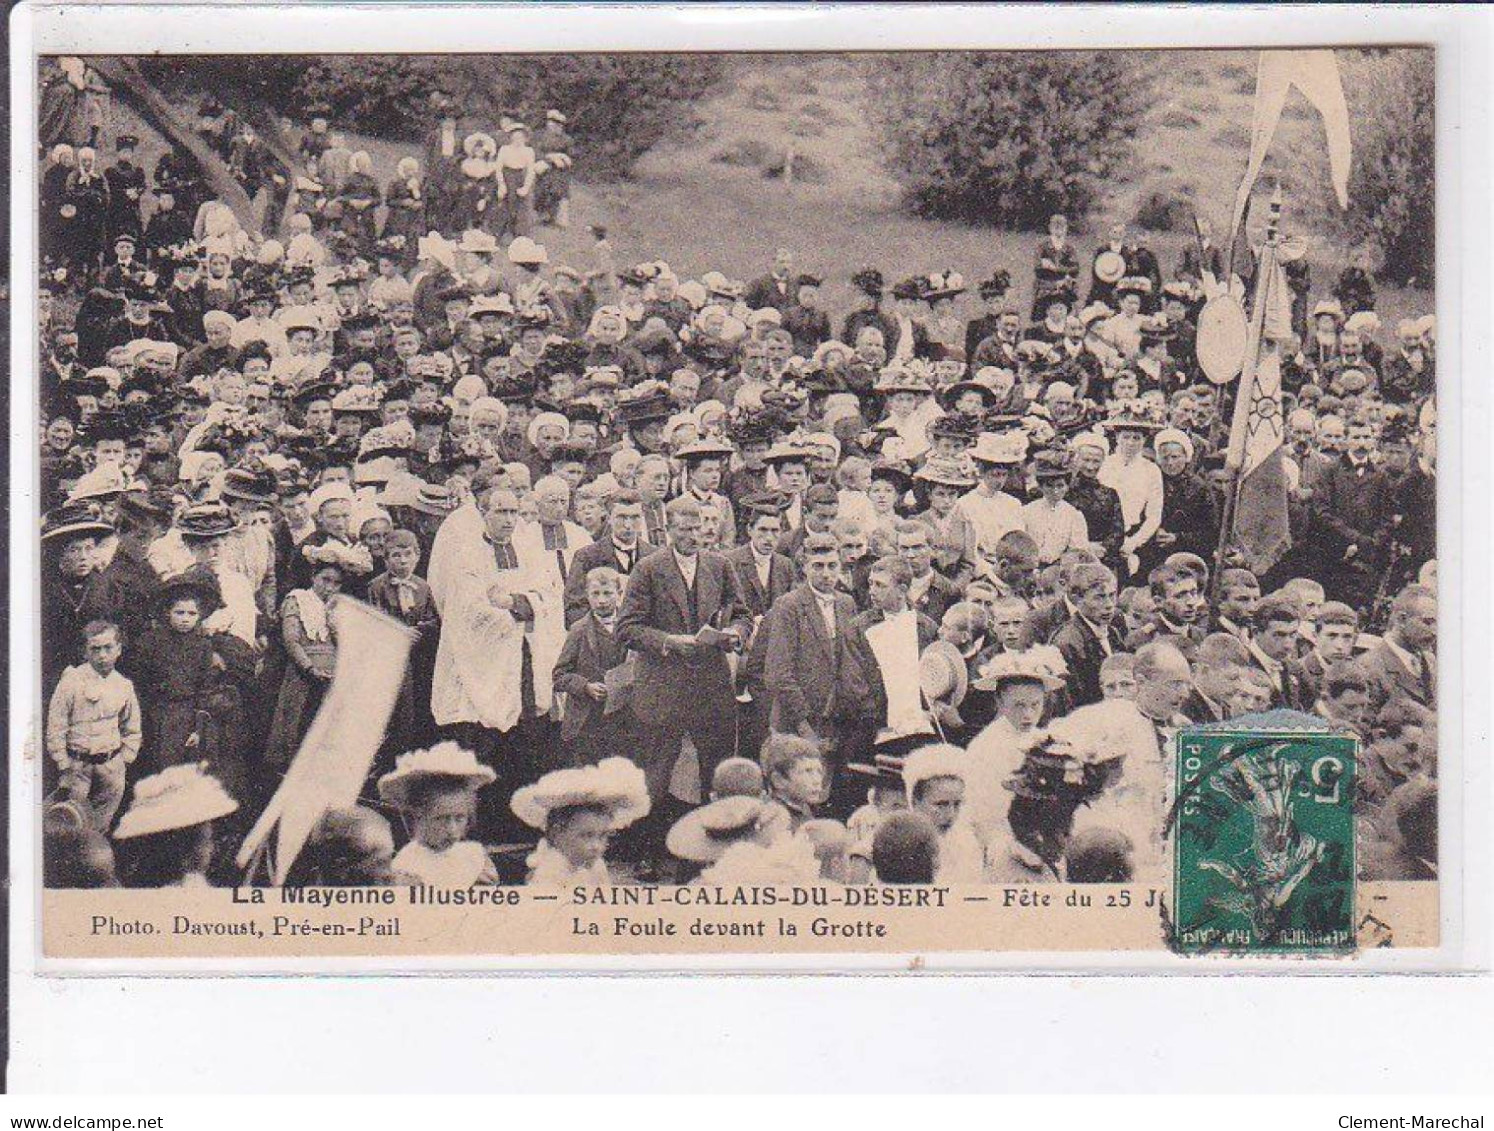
pixel 682 613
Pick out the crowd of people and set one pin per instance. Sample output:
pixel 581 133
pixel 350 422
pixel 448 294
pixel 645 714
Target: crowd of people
pixel 704 583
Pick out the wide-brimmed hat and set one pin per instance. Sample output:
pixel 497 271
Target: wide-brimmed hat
pixel 177 798
pixel 432 499
pixel 943 676
pixel 708 448
pixel 249 485
pixel 1000 447
pixel 897 379
pixel 643 409
pixel 357 398
pixel 1042 663
pixel 1110 266
pixel 914 289
pixel 198 582
pixel 1134 285
pixel 74 520
pixel 1133 416
pixel 1052 463
pixel 204 521
pixel 952 394
pixel 788 453
pixel 445 760
pixel 945 472
pixel 614 784
pixel 944 284
pixel 893 472
pixel 704 834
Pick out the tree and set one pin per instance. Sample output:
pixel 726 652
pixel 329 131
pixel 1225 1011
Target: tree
pixel 1392 105
pixel 1005 138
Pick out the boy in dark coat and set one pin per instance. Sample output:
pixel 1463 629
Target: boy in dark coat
pixel 594 727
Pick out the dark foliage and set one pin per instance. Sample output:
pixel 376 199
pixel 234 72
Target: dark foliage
pixel 618 105
pixel 1005 138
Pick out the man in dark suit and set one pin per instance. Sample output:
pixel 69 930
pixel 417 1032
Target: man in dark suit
pixel 621 547
pixel 1090 634
pixel 930 592
pixel 1402 669
pixel 1273 647
pixel 1216 667
pixel 775 289
pixel 764 574
pixel 1349 513
pixel 815 677
pixel 682 613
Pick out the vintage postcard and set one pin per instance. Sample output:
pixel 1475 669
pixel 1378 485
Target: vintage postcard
pixel 695 507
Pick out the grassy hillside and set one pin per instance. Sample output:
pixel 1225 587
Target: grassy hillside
pixel 716 195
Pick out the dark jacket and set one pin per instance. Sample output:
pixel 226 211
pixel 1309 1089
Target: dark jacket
pixel 671 684
pixel 780 578
pixel 1083 653
pixel 588 653
pixel 811 678
pixel 602 552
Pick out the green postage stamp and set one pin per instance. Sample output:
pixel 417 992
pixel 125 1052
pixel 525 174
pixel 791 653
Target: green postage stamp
pixel 1264 859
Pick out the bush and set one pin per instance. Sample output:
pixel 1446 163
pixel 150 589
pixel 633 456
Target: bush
pixel 1177 120
pixel 1004 138
pixel 1392 99
pixel 619 105
pixel 1170 208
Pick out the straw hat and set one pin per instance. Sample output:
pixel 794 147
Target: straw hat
pixel 615 784
pixel 1042 663
pixel 942 674
pixel 176 798
pixel 444 760
pixel 1000 447
pixel 703 835
pixel 1109 266
pixel 945 472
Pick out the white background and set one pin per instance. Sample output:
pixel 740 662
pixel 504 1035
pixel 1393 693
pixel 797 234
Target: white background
pixel 570 1033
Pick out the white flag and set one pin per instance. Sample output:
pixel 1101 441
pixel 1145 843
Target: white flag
pixel 1315 74
pixel 339 748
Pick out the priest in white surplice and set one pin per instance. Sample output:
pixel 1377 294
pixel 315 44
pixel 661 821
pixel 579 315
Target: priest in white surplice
pixel 502 625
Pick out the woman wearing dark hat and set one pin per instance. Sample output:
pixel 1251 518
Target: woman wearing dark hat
pixel 911 339
pixel 72 592
pixel 869 290
pixel 993 292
